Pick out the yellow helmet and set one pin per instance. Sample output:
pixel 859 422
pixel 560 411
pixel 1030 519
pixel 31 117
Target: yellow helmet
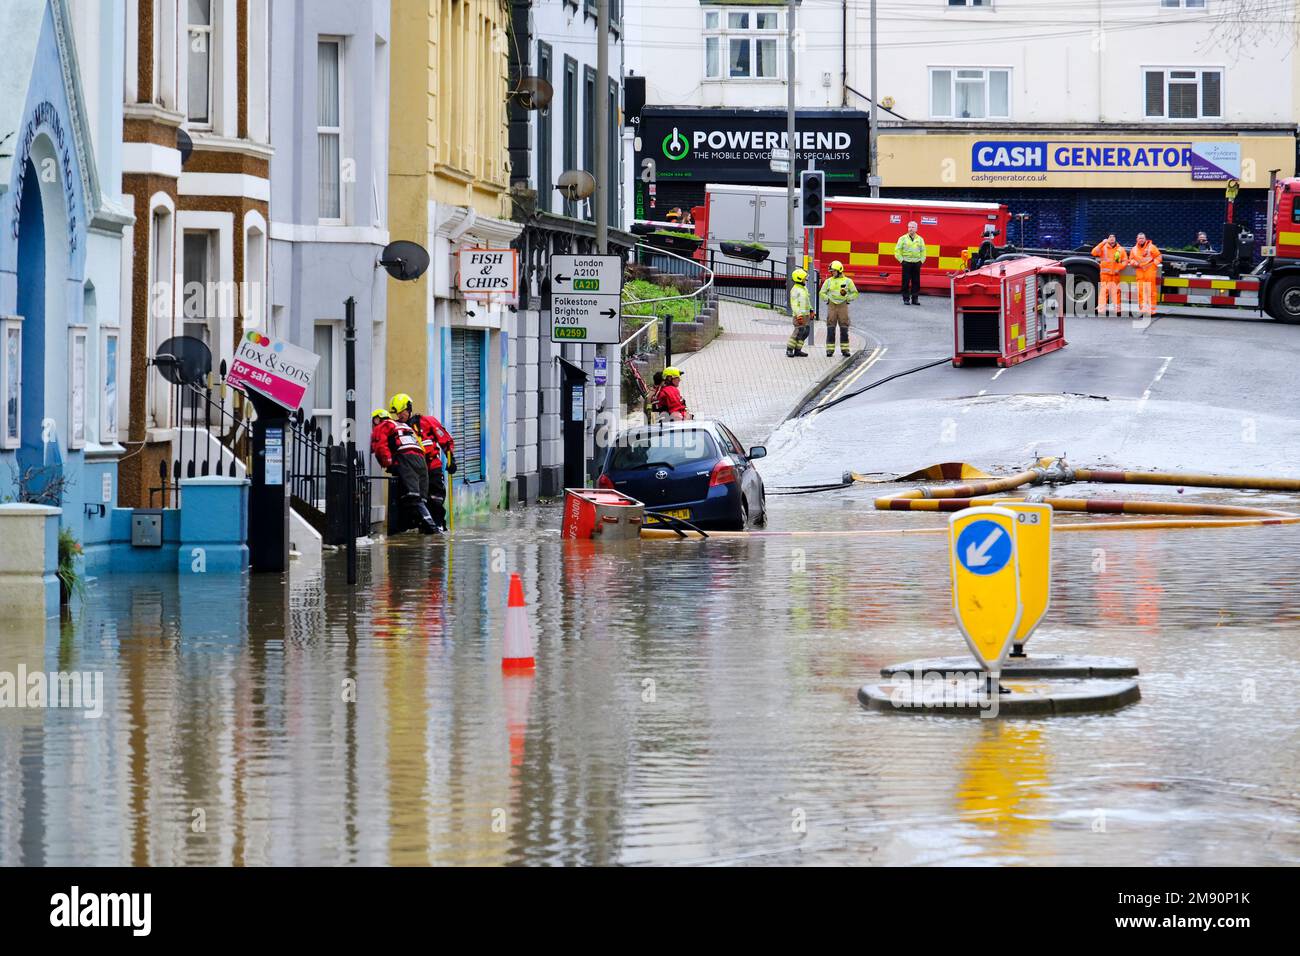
pixel 379 413
pixel 837 266
pixel 399 403
pixel 672 371
pixel 799 276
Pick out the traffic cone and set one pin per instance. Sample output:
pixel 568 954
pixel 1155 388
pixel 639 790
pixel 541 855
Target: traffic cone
pixel 517 689
pixel 517 653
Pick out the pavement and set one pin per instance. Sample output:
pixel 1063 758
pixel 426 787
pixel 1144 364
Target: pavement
pixel 743 378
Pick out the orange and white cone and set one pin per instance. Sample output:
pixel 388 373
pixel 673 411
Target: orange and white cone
pixel 517 654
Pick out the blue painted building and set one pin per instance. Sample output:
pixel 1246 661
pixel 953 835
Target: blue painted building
pixel 62 341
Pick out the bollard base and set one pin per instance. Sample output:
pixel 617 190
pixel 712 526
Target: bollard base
pixel 964 696
pixel 1033 665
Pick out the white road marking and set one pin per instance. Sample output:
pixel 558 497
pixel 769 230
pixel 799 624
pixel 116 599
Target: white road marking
pixel 997 373
pixel 1159 375
pixel 967 408
pixel 839 389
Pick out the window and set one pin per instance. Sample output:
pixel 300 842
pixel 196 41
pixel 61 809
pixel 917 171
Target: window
pixel 970 93
pixel 570 120
pixel 545 180
pixel 611 158
pixel 589 127
pixel 1185 4
pixel 329 130
pixel 466 423
pixel 199 59
pixel 11 392
pixel 319 402
pixel 197 273
pixel 1184 94
pixel 748 42
pixel 77 345
pixel 108 360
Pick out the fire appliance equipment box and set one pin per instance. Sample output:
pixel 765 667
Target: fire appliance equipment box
pixel 600 514
pixel 1009 311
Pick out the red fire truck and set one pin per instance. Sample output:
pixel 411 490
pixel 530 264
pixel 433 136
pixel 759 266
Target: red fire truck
pixel 860 233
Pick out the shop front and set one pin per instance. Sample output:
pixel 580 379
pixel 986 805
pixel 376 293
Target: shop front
pixel 679 150
pixel 1066 189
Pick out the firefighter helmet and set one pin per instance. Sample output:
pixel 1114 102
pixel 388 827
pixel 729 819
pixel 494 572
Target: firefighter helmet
pixel 837 266
pixel 379 413
pixel 672 371
pixel 401 402
pixel 799 276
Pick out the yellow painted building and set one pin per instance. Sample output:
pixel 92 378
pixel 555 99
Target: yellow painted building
pixel 448 190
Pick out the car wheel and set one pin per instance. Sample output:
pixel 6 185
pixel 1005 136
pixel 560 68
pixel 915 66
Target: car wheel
pixel 743 524
pixel 761 520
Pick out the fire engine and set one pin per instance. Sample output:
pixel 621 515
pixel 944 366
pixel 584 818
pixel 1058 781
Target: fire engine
pixel 860 233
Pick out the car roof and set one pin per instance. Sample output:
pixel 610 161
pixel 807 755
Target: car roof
pixel 705 424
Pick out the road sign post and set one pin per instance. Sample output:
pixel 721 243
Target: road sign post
pixel 586 299
pixel 986 597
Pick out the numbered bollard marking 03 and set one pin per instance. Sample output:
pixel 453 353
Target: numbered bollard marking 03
pixel 1034 554
pixel 985 581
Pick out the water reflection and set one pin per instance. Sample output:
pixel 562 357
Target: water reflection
pixel 692 702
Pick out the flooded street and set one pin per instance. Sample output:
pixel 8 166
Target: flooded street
pixel 693 702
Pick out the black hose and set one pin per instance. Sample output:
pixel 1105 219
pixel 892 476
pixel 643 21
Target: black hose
pixel 867 388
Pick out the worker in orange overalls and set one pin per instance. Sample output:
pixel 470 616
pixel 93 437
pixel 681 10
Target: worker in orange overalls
pixel 1146 259
pixel 1113 258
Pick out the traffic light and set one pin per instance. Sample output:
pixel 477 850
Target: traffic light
pixel 812 198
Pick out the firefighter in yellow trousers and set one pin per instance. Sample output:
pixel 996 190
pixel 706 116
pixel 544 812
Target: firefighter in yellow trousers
pixel 1112 258
pixel 800 313
pixel 837 292
pixel 1146 259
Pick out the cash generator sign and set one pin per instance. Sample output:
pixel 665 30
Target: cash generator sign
pixel 1200 161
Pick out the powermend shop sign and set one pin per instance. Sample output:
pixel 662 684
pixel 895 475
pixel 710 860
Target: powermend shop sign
pixel 736 146
pixel 1085 161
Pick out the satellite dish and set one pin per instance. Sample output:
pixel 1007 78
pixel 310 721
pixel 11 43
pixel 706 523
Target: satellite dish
pixel 534 92
pixel 184 360
pixel 576 184
pixel 184 143
pixel 404 260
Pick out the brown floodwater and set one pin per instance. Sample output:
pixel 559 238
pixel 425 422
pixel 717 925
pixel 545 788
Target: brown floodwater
pixel 693 702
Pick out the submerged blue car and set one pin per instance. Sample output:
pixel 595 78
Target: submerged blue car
pixel 694 470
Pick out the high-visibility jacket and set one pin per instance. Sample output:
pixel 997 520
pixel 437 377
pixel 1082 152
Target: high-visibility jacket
pixel 1146 259
pixel 909 248
pixel 838 289
pixel 800 300
pixel 434 439
pixel 670 398
pixel 391 438
pixel 1113 259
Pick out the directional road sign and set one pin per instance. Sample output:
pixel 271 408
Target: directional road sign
pixel 586 298
pixel 985 581
pixel 1034 551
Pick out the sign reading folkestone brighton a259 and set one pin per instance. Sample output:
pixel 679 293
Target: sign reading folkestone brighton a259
pixel 586 299
pixel 279 370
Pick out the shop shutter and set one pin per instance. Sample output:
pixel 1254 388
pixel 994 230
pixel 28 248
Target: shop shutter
pixel 467 402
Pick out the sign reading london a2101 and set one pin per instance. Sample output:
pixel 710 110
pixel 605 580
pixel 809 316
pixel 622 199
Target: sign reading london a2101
pixel 488 272
pixel 586 299
pixel 279 370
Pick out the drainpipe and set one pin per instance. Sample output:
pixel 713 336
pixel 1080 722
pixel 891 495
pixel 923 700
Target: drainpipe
pixel 844 52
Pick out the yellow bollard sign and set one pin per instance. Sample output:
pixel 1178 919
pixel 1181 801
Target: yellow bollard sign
pixel 1034 553
pixel 985 581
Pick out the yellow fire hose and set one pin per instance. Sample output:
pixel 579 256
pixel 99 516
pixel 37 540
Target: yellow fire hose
pixel 1190 480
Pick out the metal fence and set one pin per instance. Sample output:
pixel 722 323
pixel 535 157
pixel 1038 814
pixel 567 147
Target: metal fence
pixel 759 283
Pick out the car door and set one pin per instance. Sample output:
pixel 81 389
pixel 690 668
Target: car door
pixel 745 472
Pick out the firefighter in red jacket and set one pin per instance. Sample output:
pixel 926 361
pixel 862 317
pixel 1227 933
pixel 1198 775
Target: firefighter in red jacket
pixel 670 400
pixel 438 445
pixel 397 447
